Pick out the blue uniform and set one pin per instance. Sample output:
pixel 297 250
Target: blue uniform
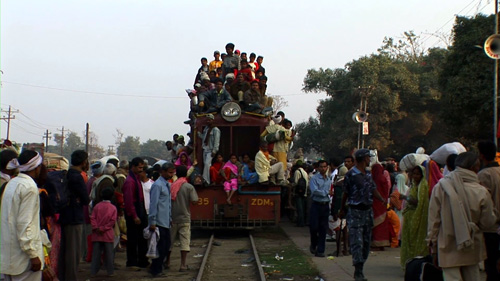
pixel 359 189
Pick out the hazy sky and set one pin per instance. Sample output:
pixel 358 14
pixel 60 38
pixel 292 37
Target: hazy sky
pixel 125 64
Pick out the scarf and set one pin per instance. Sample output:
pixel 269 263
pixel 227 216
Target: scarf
pixel 232 167
pixel 30 166
pixel 463 227
pixel 176 186
pixel 178 161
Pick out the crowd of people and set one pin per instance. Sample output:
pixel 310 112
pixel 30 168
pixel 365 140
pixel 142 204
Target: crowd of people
pixel 231 76
pixel 41 233
pixel 450 212
pixel 447 211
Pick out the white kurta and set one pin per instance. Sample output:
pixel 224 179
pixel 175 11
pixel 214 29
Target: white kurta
pixel 20 238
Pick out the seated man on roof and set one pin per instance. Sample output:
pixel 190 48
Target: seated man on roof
pixel 239 87
pixel 213 100
pixel 253 101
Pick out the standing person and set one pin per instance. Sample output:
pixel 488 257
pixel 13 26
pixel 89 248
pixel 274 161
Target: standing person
pixel 216 63
pixel 415 218
pixel 231 61
pixel 146 183
pixel 381 233
pixel 489 177
pixel 20 237
pixel 318 222
pixel 359 190
pixel 71 217
pixel 211 142
pixel 300 192
pixel 103 219
pixel 459 211
pixel 135 217
pixel 183 194
pixel 160 215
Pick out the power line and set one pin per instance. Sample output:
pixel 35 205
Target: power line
pixel 94 93
pixel 36 122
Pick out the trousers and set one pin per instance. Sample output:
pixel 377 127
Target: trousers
pixel 360 224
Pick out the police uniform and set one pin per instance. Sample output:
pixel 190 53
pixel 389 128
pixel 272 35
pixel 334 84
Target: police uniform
pixel 359 189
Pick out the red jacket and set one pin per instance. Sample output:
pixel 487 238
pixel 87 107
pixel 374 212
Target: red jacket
pixel 102 220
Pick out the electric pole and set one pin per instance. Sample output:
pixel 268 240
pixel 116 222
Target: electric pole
pixel 47 136
pixel 8 118
pixel 62 140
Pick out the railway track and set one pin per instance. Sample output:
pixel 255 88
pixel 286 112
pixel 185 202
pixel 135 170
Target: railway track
pixel 233 259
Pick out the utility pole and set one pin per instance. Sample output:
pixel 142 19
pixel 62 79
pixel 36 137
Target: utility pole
pixel 47 136
pixel 8 118
pixel 87 129
pixel 62 140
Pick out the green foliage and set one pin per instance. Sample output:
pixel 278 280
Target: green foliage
pixel 129 148
pixel 467 81
pixel 401 88
pixel 154 148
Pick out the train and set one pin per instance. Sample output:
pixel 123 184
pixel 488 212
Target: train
pixel 254 206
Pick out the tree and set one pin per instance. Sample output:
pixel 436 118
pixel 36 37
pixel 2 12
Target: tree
pixel 467 81
pixel 154 148
pixel 95 150
pixel 129 148
pixel 399 85
pixel 279 103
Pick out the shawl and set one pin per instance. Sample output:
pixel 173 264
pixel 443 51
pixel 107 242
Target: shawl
pixel 178 161
pixel 232 167
pixel 176 186
pixel 415 222
pixel 453 186
pixel 433 174
pixel 383 187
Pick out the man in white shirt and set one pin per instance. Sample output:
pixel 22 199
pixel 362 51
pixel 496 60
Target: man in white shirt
pixel 20 239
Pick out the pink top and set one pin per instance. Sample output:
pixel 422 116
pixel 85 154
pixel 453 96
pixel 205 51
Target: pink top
pixel 103 218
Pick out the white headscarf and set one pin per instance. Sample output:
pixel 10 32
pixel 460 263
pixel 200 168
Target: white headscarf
pixel 30 166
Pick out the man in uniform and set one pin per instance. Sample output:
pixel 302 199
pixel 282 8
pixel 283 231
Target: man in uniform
pixel 359 190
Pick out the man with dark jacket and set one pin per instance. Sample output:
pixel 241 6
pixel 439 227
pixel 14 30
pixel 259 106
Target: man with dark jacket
pixel 71 217
pixel 135 217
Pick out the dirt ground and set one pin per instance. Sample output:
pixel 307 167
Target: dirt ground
pixel 269 243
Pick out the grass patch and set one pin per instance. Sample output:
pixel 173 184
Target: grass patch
pixel 294 264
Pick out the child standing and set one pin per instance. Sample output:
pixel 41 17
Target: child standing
pixel 102 220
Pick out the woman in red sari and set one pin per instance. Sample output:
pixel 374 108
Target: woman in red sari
pixel 217 163
pixel 381 234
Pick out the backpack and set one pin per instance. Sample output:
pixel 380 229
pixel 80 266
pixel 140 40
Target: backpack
pixel 301 187
pixel 57 187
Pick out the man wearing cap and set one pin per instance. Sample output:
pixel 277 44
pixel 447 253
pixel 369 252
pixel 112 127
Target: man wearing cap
pixel 20 237
pixel 231 61
pixel 214 99
pixel 211 142
pixel 216 63
pixel 359 190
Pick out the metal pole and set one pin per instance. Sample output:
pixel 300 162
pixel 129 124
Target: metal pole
pixel 495 86
pixel 87 138
pixel 8 123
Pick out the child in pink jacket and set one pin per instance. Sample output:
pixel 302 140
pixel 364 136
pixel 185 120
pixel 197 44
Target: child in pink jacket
pixel 102 220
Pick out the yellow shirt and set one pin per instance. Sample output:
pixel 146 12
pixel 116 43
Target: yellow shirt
pixel 214 65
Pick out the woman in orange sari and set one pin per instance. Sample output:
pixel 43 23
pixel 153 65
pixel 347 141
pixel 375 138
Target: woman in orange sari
pixel 217 163
pixel 381 234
